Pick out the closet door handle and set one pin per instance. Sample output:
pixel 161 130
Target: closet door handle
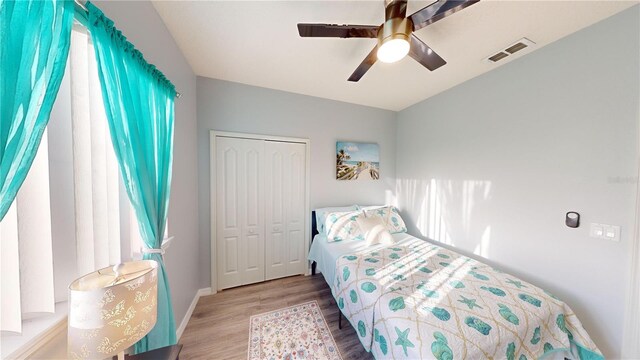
pixel 250 231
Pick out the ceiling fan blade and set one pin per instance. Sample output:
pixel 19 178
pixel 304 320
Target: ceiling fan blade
pixel 339 31
pixel 395 9
pixel 364 66
pixel 424 54
pixel 437 11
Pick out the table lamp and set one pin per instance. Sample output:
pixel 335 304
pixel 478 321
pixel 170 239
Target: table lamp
pixel 111 309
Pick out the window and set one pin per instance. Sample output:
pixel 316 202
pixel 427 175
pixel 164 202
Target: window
pixel 25 234
pixel 72 215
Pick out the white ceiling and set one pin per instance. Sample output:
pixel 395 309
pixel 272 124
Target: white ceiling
pixel 257 43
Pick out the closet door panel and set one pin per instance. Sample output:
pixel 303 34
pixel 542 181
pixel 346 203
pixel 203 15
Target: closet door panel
pixel 230 248
pixel 253 179
pixel 295 168
pixel 253 205
pixel 275 214
pixel 239 211
pixel 228 229
pixel 230 189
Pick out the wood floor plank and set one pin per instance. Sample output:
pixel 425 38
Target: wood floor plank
pixel 219 326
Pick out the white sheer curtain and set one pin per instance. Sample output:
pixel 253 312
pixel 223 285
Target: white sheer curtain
pixel 94 163
pixel 27 256
pixel 27 260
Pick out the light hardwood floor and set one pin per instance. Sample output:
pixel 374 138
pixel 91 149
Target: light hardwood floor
pixel 219 326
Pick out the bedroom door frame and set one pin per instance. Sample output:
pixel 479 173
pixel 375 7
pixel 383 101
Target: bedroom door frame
pixel 213 134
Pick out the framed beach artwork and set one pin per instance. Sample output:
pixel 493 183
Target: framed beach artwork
pixel 357 161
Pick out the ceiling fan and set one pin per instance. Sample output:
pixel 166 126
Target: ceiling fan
pixel 395 36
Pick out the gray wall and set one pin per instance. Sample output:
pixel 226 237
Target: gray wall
pixel 491 166
pixel 142 25
pixel 229 106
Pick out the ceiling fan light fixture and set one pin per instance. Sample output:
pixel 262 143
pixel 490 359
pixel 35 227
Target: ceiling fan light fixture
pixel 396 38
pixel 393 50
pixel 393 40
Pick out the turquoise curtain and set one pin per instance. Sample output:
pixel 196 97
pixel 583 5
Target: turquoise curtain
pixel 138 101
pixel 34 45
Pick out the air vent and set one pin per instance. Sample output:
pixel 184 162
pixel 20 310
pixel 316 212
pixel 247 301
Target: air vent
pixel 515 48
pixel 499 56
pixel 510 50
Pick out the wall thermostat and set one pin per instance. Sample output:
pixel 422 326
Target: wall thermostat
pixel 573 219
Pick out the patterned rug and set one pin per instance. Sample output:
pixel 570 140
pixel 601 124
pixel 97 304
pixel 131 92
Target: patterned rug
pixel 296 332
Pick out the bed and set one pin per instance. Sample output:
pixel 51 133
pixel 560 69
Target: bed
pixel 417 300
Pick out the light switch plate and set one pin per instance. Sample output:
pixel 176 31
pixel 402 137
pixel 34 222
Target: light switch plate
pixel 604 231
pixel 612 232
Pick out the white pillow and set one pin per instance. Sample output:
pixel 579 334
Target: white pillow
pixel 321 215
pixel 375 231
pixel 370 207
pixel 392 219
pixel 343 225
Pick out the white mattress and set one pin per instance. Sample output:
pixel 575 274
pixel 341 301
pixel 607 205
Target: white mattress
pixel 325 254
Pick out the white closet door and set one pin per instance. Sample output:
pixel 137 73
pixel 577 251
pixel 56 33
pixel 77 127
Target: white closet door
pixel 239 211
pixel 285 197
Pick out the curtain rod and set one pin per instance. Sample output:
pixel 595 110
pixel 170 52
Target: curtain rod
pixel 80 4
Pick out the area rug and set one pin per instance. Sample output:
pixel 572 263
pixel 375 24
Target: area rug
pixel 296 332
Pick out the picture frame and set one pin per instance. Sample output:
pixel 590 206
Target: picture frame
pixel 357 161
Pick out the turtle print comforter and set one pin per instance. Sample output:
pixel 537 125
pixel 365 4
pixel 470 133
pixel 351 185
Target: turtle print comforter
pixel 416 300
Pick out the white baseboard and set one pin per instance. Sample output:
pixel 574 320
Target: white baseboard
pixel 187 316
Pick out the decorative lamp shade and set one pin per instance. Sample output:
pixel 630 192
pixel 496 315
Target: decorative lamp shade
pixel 111 309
